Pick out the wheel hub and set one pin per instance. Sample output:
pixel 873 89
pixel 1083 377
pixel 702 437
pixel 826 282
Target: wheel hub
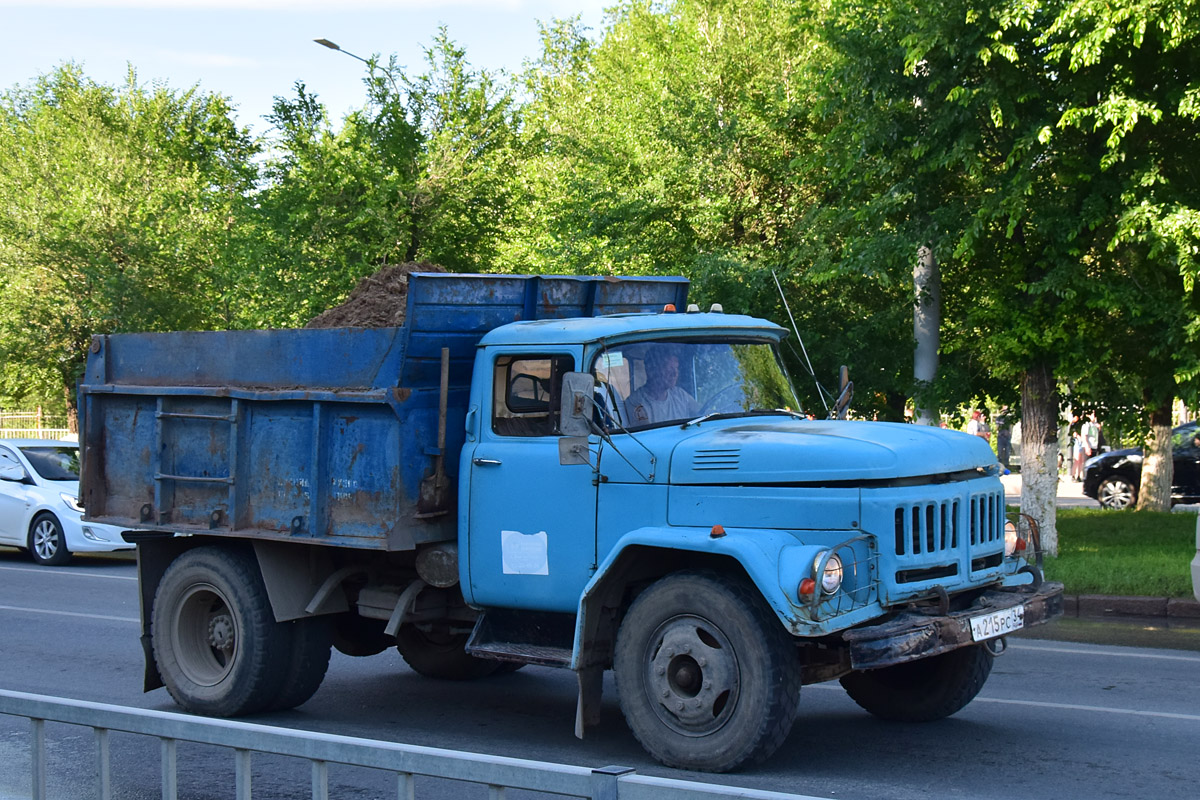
pixel 220 632
pixel 692 676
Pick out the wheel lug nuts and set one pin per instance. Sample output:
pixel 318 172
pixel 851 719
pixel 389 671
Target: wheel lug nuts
pixel 702 661
pixel 679 706
pixel 662 670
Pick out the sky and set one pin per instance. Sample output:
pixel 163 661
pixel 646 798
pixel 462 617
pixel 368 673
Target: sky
pixel 254 50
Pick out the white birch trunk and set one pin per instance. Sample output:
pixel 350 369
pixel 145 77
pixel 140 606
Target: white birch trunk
pixel 1039 453
pixel 927 319
pixel 1158 467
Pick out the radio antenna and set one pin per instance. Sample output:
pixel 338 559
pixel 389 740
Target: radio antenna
pixel 800 339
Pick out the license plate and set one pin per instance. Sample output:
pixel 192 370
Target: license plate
pixel 998 623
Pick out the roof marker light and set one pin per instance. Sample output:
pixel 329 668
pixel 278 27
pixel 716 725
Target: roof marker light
pixel 717 308
pixel 669 308
pixel 693 308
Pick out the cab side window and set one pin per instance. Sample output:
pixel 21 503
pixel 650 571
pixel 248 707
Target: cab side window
pixel 525 391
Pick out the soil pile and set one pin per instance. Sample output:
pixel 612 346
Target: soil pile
pixel 379 300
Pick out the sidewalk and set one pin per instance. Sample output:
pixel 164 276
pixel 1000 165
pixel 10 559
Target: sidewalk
pixel 1096 606
pixel 1070 493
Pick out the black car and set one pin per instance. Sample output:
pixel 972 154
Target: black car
pixel 1113 478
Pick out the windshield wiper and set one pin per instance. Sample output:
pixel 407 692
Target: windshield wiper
pixel 735 414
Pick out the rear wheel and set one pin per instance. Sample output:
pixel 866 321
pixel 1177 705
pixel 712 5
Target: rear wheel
pixel 307 662
pixel 708 677
pixel 218 647
pixel 47 544
pixel 1116 492
pixel 925 690
pixel 438 652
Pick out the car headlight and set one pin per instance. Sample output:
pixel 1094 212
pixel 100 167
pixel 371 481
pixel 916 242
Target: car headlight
pixel 831 576
pixel 72 502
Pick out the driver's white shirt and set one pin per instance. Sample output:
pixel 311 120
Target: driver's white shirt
pixel 676 404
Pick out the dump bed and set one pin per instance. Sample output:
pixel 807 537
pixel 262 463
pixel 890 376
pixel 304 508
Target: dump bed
pixel 325 435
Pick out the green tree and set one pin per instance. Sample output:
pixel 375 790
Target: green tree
pixel 115 206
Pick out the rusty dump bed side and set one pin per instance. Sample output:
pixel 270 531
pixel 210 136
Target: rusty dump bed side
pixel 323 435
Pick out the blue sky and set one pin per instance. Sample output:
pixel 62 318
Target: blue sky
pixel 253 50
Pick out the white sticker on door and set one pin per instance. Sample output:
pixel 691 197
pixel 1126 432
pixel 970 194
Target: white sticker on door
pixel 524 553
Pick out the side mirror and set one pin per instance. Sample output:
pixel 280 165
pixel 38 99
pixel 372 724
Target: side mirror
pixel 575 417
pixel 12 473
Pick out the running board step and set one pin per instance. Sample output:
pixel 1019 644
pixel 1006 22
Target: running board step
pixel 529 637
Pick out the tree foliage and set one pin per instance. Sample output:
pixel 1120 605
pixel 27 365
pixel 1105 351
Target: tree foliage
pixel 115 211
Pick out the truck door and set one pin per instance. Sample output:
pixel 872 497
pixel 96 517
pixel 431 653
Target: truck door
pixel 532 521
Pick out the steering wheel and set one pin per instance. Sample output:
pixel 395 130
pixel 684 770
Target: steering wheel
pixel 719 399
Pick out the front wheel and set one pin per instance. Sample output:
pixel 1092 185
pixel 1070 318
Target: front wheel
pixel 708 677
pixel 1116 492
pixel 925 690
pixel 218 648
pixel 47 544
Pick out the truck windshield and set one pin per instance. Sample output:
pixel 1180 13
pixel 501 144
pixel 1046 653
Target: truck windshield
pixel 646 384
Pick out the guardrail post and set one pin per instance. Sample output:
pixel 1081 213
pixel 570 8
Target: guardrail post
pixel 241 773
pixel 604 781
pixel 405 786
pixel 37 758
pixel 170 780
pixel 103 768
pixel 320 780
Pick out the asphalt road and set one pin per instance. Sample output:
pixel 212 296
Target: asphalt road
pixel 1061 718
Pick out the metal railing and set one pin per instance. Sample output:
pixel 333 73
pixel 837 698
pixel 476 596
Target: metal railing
pixel 405 761
pixel 33 425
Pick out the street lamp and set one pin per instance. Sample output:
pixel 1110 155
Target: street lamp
pixel 369 63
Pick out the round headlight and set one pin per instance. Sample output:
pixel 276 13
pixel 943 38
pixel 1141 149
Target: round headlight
pixel 831 577
pixel 1010 539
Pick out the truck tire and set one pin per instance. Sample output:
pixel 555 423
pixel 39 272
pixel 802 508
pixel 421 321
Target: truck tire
pixel 308 660
pixel 219 650
pixel 359 636
pixel 922 691
pixel 439 653
pixel 708 677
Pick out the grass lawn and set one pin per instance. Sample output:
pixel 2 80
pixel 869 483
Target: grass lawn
pixel 1124 552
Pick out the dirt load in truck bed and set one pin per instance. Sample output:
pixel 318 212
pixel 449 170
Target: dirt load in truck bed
pixel 377 302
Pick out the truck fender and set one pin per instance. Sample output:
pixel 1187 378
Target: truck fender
pixel 773 560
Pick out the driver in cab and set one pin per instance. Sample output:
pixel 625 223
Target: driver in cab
pixel 659 399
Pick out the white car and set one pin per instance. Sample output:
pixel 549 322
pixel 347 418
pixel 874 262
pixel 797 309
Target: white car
pixel 39 505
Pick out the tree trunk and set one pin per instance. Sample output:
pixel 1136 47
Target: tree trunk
pixel 927 319
pixel 1158 467
pixel 72 409
pixel 1039 452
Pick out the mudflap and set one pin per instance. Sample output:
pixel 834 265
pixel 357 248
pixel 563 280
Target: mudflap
pixel 913 635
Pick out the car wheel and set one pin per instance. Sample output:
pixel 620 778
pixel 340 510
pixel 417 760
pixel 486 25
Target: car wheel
pixel 1116 492
pixel 47 544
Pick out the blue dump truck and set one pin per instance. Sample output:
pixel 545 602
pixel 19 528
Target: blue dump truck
pixel 561 471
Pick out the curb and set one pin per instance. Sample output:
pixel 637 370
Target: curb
pixel 1101 605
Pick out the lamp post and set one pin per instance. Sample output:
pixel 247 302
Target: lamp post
pixel 371 64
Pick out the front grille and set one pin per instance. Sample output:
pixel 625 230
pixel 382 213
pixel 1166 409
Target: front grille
pixel 925 528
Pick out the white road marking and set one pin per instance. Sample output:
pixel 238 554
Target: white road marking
pixel 1114 653
pixel 69 614
pixel 78 573
pixel 1041 704
pixel 1103 709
